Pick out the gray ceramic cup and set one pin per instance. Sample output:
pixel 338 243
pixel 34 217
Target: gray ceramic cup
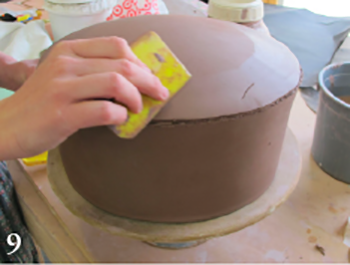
pixel 331 145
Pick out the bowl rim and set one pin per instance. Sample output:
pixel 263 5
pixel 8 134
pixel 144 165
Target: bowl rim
pixel 326 89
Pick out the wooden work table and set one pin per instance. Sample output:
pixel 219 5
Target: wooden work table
pixel 315 214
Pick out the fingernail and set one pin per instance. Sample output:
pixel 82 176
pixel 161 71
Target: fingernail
pixel 127 119
pixel 164 94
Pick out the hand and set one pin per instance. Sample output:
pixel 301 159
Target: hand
pixel 68 92
pixel 20 72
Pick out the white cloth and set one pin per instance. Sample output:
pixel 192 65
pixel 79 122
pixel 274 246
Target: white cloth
pixel 24 41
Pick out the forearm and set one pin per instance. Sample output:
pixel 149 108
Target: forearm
pixel 6 151
pixel 7 143
pixel 6 77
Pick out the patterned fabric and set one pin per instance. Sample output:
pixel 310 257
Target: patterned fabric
pixel 132 8
pixel 11 221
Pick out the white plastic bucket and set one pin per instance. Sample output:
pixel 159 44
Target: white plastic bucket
pixel 62 25
pixel 69 16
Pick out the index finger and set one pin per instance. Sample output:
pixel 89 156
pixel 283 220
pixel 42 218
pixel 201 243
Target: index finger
pixel 106 47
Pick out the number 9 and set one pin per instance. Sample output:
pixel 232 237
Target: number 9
pixel 16 244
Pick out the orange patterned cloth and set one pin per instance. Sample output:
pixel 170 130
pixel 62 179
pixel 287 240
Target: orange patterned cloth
pixel 131 8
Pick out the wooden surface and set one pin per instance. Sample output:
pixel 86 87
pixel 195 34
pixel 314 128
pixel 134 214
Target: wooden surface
pixel 316 213
pixel 287 177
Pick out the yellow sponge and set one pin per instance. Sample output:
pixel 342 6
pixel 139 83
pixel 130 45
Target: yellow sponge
pixel 153 52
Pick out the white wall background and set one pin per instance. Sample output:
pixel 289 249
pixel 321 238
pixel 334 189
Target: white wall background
pixel 332 8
